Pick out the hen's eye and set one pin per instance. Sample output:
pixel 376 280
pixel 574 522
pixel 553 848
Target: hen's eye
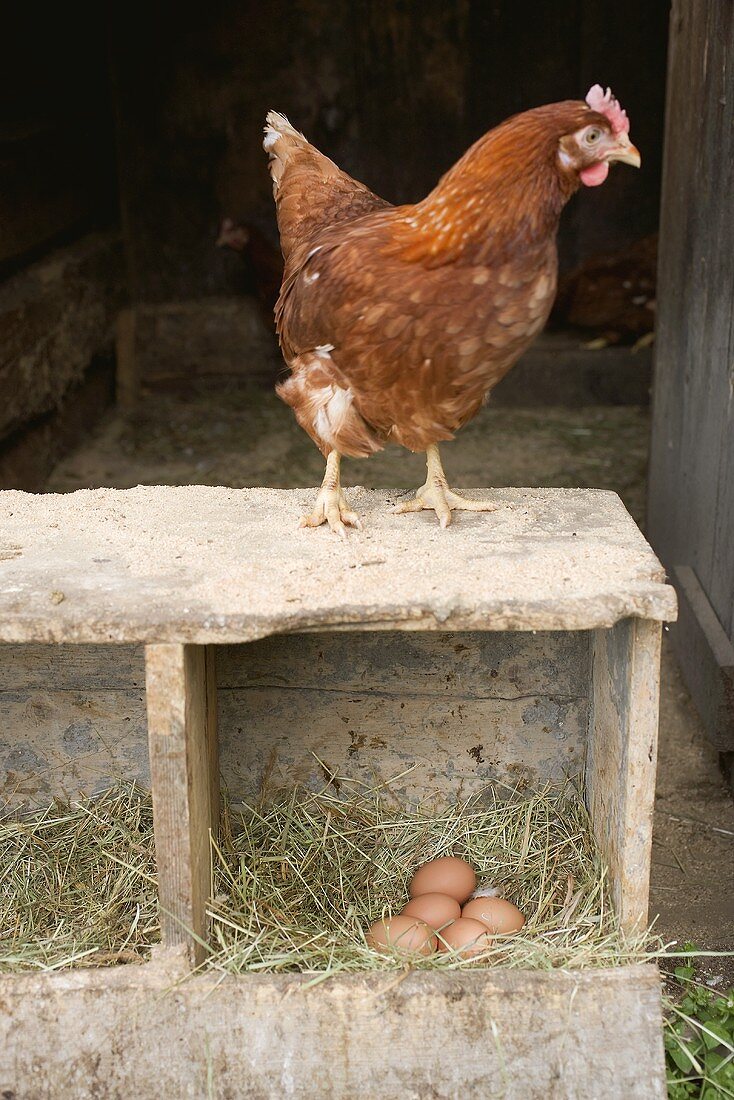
pixel 592 136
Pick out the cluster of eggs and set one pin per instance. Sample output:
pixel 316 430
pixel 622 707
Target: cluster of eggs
pixel 446 913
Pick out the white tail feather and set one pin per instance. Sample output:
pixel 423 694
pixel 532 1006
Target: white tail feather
pixel 279 141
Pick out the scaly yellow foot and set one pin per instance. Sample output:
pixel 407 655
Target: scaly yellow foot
pixel 331 505
pixel 436 495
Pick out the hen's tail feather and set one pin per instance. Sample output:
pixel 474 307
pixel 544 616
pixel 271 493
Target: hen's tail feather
pixel 280 142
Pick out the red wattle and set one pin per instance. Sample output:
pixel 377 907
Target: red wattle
pixel 594 174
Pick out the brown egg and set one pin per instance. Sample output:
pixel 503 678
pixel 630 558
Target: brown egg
pixel 465 937
pixel 500 916
pixel 435 909
pixel 447 875
pixel 401 934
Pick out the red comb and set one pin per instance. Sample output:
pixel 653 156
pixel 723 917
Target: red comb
pixel 605 104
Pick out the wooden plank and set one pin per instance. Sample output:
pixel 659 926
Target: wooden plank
pixel 521 1035
pixel 707 659
pixel 450 747
pixel 691 497
pixel 463 708
pixel 182 739
pixel 240 567
pixel 90 668
pixel 212 739
pixel 203 337
pixel 127 374
pixel 621 759
pixel 63 744
pixel 477 664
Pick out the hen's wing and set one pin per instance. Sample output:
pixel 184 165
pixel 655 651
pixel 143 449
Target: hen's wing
pixel 310 191
pixel 414 349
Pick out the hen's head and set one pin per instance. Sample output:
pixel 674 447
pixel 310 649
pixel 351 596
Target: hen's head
pixel 600 137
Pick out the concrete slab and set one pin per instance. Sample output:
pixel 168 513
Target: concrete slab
pixel 205 564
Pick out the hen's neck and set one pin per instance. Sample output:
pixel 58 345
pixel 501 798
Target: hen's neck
pixel 505 195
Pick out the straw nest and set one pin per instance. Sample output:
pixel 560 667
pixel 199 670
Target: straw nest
pixel 78 886
pixel 298 880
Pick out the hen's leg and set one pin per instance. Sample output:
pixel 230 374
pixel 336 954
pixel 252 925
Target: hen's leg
pixel 331 504
pixel 436 494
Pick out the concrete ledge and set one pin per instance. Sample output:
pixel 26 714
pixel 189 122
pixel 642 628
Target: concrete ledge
pixel 199 564
pixel 149 1033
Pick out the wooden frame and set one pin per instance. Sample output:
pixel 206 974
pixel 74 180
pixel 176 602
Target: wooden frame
pixel 180 570
pixel 619 779
pixel 622 757
pixel 182 735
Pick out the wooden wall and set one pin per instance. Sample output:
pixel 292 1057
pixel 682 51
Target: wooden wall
pixel 393 90
pixel 691 510
pixel 446 712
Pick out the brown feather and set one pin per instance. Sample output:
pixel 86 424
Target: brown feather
pixel 422 308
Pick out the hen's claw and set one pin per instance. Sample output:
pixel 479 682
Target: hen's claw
pixel 435 494
pixel 443 501
pixel 331 507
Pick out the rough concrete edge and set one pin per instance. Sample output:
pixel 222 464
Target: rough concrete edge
pixel 23 628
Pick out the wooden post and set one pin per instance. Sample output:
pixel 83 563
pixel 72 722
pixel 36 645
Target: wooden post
pixel 127 383
pixel 181 700
pixel 622 757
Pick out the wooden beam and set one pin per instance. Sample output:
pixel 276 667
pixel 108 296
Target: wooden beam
pixel 140 1031
pixel 181 701
pixel 707 658
pixel 127 380
pixel 621 759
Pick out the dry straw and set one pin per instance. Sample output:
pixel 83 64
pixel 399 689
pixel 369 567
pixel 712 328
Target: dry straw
pixel 297 881
pixel 78 884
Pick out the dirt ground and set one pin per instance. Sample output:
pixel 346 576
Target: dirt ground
pixel 221 432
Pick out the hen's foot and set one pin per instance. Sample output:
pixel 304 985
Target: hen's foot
pixel 436 495
pixel 443 501
pixel 331 505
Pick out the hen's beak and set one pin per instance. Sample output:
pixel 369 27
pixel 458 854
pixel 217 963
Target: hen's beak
pixel 624 152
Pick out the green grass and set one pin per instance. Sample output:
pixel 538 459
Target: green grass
pixel 699 1036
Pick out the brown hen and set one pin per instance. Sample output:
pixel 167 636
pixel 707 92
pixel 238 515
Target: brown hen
pixel 396 322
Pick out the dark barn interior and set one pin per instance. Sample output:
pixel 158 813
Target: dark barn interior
pixel 144 124
pixel 134 350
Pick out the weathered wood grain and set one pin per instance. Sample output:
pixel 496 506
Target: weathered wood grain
pixel 691 498
pixel 519 1035
pixel 63 744
pixel 459 709
pixel 621 759
pixel 89 668
pixel 200 564
pixel 457 664
pixel 182 738
pixel 449 748
pixel 709 659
